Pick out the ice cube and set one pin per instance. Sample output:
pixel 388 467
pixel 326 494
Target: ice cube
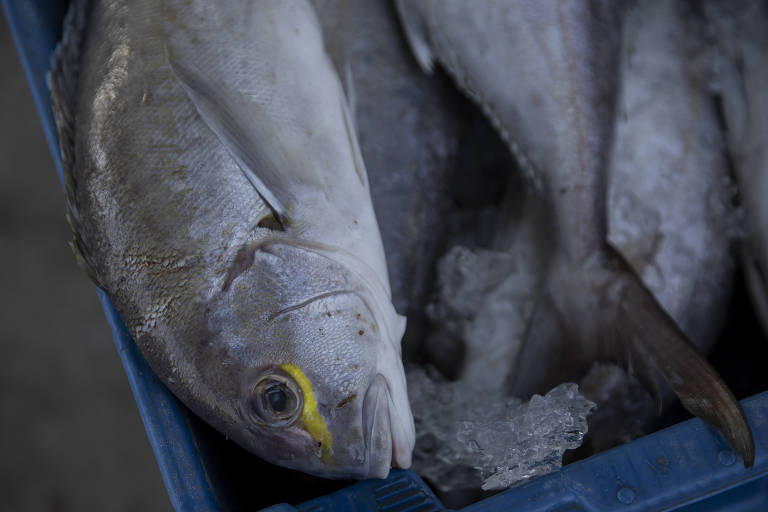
pixel 481 438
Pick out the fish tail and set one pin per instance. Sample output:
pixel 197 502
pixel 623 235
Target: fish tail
pixel 655 343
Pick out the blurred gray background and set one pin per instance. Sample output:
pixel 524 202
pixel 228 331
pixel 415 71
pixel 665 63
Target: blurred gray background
pixel 70 434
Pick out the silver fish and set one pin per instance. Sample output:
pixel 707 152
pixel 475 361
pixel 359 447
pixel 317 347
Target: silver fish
pixel 547 74
pixel 670 202
pixel 218 195
pixel 740 31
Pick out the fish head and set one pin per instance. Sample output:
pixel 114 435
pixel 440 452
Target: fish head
pixel 315 354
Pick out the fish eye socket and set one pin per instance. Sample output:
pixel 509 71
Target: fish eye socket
pixel 276 399
pixel 271 222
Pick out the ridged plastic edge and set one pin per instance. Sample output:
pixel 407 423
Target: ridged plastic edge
pixel 672 468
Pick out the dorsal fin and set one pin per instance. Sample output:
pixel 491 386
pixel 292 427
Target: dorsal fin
pixel 244 127
pixel 62 82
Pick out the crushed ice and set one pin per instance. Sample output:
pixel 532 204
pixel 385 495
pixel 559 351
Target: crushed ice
pixel 470 433
pixel 464 439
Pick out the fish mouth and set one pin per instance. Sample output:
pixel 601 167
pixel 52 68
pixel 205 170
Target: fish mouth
pixel 386 442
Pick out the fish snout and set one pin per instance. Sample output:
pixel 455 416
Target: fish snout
pixel 386 441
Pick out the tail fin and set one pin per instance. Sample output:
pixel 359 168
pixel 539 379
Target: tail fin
pixel 655 343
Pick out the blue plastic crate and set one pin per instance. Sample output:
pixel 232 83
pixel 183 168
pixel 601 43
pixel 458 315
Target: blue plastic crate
pixel 685 467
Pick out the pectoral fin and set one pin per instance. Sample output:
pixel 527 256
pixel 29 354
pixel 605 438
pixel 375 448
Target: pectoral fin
pixel 654 343
pixel 252 138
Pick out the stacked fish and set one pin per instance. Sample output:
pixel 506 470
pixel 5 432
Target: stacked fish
pixel 223 179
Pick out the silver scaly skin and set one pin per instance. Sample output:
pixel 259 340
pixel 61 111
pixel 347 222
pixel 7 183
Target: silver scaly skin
pixel 669 207
pixel 219 197
pixel 740 33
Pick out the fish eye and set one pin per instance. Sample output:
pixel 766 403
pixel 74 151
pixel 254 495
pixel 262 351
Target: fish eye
pixel 276 399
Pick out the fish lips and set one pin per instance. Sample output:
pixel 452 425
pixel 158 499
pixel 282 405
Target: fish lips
pixel 386 441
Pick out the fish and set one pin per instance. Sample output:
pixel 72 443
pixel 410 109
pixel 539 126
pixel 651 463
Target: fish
pixel 546 74
pixel 738 30
pixel 670 202
pixel 217 194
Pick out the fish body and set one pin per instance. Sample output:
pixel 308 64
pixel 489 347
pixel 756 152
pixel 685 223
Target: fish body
pixel 526 64
pixel 669 207
pixel 218 196
pixel 739 29
pixel 543 72
pixel 546 73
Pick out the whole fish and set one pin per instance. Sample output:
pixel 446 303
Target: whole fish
pixel 739 28
pixel 218 195
pixel 547 74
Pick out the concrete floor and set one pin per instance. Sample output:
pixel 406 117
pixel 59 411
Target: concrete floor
pixel 70 433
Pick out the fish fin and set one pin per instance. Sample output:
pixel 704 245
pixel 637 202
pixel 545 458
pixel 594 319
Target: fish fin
pixel 756 284
pixel 415 28
pixel 545 357
pixel 62 82
pixel 402 323
pixel 348 113
pixel 81 257
pixel 351 94
pixel 648 375
pixel 245 129
pixel 655 343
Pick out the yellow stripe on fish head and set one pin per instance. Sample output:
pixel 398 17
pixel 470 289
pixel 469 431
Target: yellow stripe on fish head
pixel 314 423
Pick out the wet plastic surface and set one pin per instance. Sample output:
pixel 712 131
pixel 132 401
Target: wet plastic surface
pixel 686 467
